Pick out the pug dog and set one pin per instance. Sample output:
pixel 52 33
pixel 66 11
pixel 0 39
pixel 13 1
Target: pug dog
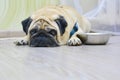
pixel 53 26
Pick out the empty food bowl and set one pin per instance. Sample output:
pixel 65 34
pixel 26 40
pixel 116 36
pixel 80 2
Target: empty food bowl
pixel 95 38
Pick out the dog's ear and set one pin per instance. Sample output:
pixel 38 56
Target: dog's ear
pixel 62 24
pixel 26 24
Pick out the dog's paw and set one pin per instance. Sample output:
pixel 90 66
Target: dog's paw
pixel 20 42
pixel 74 41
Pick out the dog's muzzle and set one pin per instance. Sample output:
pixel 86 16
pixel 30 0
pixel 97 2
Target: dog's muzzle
pixel 42 39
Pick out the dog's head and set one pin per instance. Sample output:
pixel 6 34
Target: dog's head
pixel 44 32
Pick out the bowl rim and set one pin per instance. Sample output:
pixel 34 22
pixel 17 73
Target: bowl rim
pixel 96 33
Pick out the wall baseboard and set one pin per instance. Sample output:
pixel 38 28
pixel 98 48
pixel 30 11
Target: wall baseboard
pixel 7 34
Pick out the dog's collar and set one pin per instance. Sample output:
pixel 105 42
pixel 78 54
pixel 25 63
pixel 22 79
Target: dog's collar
pixel 75 29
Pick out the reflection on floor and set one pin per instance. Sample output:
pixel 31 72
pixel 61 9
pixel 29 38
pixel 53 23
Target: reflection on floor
pixel 86 62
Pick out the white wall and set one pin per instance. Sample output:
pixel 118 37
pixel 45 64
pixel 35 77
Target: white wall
pixel 103 14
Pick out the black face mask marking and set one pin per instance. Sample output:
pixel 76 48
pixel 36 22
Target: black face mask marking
pixel 43 38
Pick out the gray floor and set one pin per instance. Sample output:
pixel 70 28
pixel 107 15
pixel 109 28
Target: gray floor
pixel 86 62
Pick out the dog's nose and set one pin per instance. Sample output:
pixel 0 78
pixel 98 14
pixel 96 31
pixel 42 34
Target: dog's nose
pixel 41 34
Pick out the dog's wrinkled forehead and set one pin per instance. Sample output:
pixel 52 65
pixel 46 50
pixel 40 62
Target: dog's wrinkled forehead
pixel 42 24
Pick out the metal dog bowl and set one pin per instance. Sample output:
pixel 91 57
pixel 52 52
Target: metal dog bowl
pixel 95 38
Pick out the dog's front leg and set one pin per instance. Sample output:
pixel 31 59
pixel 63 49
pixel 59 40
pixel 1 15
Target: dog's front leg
pixel 75 40
pixel 22 41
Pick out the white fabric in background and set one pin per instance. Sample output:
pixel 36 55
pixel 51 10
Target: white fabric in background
pixel 105 15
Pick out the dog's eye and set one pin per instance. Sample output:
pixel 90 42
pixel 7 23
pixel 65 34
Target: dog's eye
pixel 33 31
pixel 53 32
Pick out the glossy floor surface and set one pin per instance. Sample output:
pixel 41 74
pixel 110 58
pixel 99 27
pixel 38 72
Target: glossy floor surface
pixel 86 62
